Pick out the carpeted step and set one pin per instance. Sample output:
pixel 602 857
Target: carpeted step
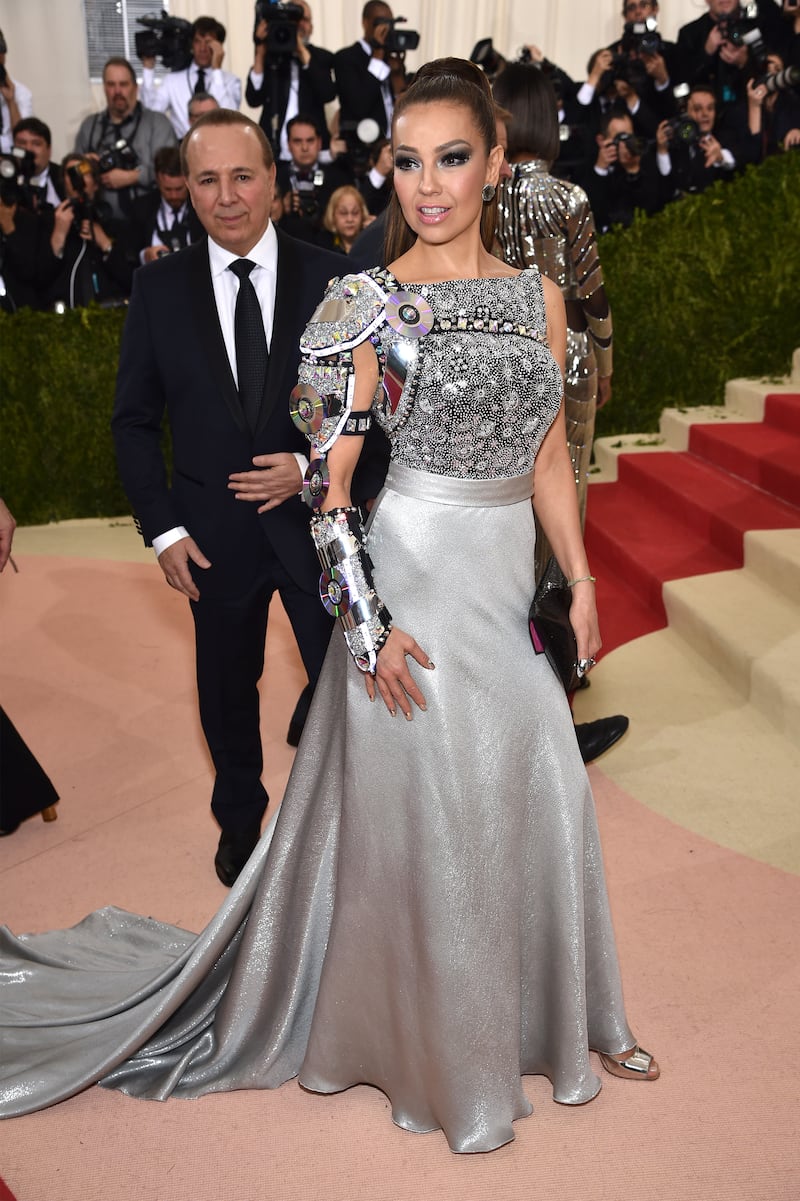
pixel 782 410
pixel 764 454
pixel 749 632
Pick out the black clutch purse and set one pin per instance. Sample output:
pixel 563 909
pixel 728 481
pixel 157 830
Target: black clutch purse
pixel 550 627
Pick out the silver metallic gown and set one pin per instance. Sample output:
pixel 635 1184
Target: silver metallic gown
pixel 547 223
pixel 427 912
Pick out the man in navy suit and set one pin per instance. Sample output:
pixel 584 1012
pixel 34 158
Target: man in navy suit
pixel 231 528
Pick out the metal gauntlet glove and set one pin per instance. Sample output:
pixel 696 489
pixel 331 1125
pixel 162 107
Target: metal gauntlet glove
pixel 346 588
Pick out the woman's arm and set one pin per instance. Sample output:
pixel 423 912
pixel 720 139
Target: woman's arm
pixel 555 498
pixel 392 678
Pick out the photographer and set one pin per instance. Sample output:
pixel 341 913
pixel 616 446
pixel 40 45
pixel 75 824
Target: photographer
pixel 369 75
pixel 123 139
pixel 375 185
pixel 306 182
pixel 16 101
pixel 20 248
pixel 163 222
pixel 288 75
pixel 638 70
pixel 721 46
pixel 773 111
pixel 47 182
pixel 204 74
pixel 624 178
pixel 87 259
pixel 695 150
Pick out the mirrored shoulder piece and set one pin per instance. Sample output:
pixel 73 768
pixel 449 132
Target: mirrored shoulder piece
pixel 346 587
pixel 350 312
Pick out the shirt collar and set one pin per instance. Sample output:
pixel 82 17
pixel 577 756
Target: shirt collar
pixel 263 254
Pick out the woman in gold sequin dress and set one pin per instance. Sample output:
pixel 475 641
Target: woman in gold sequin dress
pixel 547 223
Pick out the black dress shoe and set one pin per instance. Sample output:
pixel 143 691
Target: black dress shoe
pixel 233 852
pixel 595 737
pixel 297 724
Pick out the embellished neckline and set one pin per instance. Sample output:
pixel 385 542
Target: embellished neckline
pixel 412 285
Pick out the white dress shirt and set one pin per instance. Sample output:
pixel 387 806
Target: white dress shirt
pixel 175 91
pixel 24 100
pixel 226 286
pixel 43 180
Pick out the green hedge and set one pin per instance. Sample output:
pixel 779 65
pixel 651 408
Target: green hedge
pixel 706 290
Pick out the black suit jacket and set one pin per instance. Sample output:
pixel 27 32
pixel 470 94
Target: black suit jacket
pixel 316 88
pixel 173 357
pixel 359 91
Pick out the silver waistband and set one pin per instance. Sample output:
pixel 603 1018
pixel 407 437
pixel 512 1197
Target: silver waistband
pixel 446 490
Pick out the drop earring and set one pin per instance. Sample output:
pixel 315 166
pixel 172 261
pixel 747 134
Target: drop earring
pixel 488 192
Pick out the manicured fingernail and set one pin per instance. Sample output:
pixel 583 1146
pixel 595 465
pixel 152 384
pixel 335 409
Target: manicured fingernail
pixel 431 664
pixel 409 716
pixel 393 713
pixel 424 708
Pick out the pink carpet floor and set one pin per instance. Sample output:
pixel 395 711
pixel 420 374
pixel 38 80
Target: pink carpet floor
pixel 97 674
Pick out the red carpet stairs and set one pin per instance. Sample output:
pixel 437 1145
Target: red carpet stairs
pixel 700 528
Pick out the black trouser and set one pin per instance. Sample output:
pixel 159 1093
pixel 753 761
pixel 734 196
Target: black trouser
pixel 229 642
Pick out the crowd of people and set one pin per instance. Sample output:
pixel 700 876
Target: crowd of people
pixel 653 121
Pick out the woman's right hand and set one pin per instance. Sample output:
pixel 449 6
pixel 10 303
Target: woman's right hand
pixel 393 680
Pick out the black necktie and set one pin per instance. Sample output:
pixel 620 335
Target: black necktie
pixel 252 355
pixel 200 86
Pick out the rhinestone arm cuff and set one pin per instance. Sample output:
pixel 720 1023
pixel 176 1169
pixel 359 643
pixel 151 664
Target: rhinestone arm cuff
pixel 346 587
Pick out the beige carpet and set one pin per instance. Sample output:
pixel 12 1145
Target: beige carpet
pixel 97 673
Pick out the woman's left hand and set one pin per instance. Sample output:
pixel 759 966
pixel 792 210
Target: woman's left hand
pixel 583 616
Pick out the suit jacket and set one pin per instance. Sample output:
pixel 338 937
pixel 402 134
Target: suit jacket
pixel 316 88
pixel 173 358
pixel 359 91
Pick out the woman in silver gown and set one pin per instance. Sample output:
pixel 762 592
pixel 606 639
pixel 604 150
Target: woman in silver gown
pixel 427 913
pixel 547 223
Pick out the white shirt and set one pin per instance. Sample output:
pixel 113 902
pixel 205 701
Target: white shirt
pixel 381 70
pixel 226 286
pixel 175 91
pixel 24 99
pixel 43 180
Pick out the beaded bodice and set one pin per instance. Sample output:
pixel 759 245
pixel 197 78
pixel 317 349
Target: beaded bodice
pixel 478 392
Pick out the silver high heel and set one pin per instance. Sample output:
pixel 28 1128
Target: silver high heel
pixel 637 1064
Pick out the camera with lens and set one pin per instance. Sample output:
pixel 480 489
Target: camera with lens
pixel 780 81
pixel 683 132
pixel 120 156
pixel 83 207
pixel 167 38
pixel 398 41
pixel 642 37
pixel 626 70
pixel 282 22
pixel 634 144
pixel 740 31
pixel 16 171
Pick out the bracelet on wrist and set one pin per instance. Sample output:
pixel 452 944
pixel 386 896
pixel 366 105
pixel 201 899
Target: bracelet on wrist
pixel 592 579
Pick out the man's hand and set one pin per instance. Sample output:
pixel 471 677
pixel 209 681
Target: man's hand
pixel 734 56
pixel 154 252
pixel 711 149
pixel 217 53
pixel 118 178
pixel 656 67
pixel 792 139
pixel 601 64
pixel 7 214
pixel 7 527
pixel 663 138
pixel 174 562
pixel 607 154
pixel 713 41
pixel 8 90
pixel 278 478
